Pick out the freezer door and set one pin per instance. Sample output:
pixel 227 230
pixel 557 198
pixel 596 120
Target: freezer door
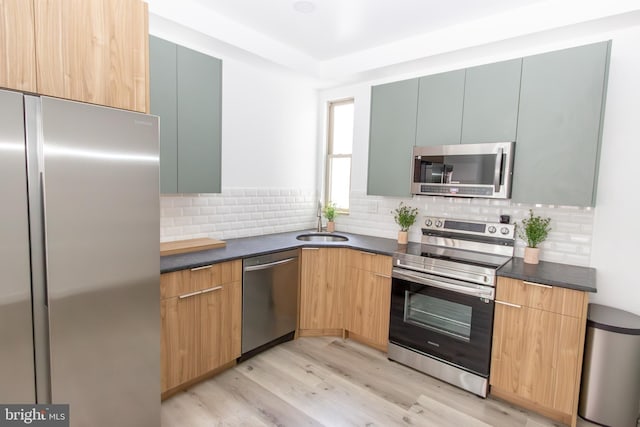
pixel 101 203
pixel 17 382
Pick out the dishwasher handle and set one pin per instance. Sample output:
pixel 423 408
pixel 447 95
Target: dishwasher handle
pixel 269 265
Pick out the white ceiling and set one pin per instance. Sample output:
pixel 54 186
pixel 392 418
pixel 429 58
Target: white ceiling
pixel 341 27
pixel 345 38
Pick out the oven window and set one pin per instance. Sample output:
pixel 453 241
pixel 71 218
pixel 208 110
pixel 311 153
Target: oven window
pixel 439 315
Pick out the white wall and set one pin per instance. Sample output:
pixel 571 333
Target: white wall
pixel 603 237
pixel 617 224
pixel 269 149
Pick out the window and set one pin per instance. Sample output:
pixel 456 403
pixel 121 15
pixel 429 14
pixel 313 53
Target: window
pixel 340 142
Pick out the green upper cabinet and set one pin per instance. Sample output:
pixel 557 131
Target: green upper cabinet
pixel 162 85
pixel 392 137
pixel 559 126
pixel 440 102
pixel 491 94
pixel 186 92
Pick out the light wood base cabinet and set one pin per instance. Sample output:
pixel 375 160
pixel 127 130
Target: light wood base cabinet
pixel 322 291
pixel 369 298
pixel 538 343
pixel 345 293
pixel 201 314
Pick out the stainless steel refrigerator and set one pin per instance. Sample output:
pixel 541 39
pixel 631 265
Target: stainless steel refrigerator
pixel 79 260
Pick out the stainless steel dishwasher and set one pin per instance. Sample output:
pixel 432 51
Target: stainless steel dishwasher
pixel 269 300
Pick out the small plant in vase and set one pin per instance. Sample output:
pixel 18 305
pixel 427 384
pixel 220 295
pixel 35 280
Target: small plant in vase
pixel 330 212
pixel 405 217
pixel 534 230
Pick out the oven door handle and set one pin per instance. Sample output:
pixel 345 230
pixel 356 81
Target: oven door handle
pixel 451 273
pixel 472 290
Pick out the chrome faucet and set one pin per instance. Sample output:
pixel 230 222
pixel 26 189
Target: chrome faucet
pixel 319 214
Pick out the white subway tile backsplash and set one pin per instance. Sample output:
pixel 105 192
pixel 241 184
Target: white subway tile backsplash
pixel 243 212
pixel 569 241
pixel 237 212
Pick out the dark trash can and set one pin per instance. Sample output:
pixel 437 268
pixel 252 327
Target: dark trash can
pixel 610 388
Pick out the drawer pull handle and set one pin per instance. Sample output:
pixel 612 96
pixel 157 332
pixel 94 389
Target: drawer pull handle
pixel 508 304
pixel 192 294
pixel 310 249
pixel 386 276
pixel 537 284
pixel 367 253
pixel 215 288
pixel 202 268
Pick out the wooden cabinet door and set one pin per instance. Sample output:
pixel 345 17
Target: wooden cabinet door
pixel 220 333
pixel 369 304
pixel 392 136
pixel 93 51
pixel 322 288
pixel 18 70
pixel 491 95
pixel 180 337
pixel 559 126
pixel 440 105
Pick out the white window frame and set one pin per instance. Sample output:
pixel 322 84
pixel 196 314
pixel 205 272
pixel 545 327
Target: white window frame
pixel 330 156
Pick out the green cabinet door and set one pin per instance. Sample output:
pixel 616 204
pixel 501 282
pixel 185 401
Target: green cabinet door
pixel 559 126
pixel 440 108
pixel 392 137
pixel 186 93
pixel 491 95
pixel 199 122
pixel 163 97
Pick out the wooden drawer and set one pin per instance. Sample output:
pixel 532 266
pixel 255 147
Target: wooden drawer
pixel 369 261
pixel 540 296
pixel 197 279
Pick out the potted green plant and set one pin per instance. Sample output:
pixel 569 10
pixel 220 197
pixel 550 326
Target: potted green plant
pixel 330 212
pixel 405 217
pixel 534 230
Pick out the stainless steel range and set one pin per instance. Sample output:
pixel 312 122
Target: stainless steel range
pixel 442 300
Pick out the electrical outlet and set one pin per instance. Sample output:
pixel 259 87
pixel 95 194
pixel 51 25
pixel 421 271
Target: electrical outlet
pixel 373 207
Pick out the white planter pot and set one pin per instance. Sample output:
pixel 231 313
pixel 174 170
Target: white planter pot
pixel 531 255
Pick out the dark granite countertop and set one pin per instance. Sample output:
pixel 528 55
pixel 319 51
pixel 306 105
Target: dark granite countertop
pixel 551 273
pixel 260 245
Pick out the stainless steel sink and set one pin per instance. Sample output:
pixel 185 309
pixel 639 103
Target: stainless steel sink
pixel 322 237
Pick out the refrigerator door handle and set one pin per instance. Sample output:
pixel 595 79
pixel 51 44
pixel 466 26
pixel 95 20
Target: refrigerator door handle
pixel 45 282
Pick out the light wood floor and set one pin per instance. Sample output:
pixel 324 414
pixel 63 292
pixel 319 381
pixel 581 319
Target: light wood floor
pixel 334 382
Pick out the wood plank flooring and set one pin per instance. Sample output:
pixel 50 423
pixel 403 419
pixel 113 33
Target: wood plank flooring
pixel 335 382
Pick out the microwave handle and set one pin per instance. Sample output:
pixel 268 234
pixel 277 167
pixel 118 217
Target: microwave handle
pixel 497 171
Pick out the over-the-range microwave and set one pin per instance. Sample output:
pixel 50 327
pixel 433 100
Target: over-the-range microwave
pixel 464 170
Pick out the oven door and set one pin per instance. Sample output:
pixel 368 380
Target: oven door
pixel 447 319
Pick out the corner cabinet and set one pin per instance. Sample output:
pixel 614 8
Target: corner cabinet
pixel 559 126
pixel 201 315
pixel 369 298
pixel 538 343
pixel 322 291
pixel 345 292
pixel 392 134
pixel 186 92
pixel 91 51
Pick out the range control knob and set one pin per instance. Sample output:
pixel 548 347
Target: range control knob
pixel 504 230
pixel 492 229
pixel 428 222
pixel 438 223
